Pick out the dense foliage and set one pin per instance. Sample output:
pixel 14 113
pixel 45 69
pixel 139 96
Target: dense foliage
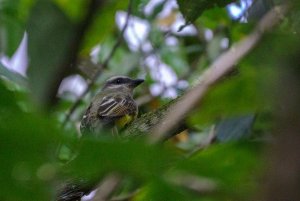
pixel 39 144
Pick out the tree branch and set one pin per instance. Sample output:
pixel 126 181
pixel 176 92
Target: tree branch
pixel 71 60
pixel 164 121
pixel 106 187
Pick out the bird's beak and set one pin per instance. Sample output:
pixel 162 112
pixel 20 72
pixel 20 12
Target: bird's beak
pixel 137 82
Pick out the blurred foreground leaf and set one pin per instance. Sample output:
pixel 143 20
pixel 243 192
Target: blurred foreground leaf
pixel 27 152
pixel 235 167
pixel 192 9
pixel 103 25
pixel 13 77
pixel 11 27
pixel 135 158
pixel 75 9
pixel 234 128
pixel 246 92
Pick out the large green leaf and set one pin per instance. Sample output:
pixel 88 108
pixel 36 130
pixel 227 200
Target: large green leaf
pixel 13 77
pixel 103 24
pixel 235 128
pixel 246 92
pixel 147 164
pixel 27 152
pixel 136 158
pixel 75 9
pixel 12 30
pixel 192 9
pixel 233 167
pixel 13 15
pixel 214 18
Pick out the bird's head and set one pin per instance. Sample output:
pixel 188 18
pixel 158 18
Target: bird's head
pixel 122 83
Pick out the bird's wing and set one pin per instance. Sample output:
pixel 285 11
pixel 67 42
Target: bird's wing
pixel 116 106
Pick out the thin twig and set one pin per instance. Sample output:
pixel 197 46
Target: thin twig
pixel 224 64
pixel 106 187
pixel 206 142
pixel 195 183
pixel 101 67
pixel 126 197
pixel 75 45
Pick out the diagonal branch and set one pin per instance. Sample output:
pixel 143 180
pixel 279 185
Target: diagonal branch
pixel 161 123
pixel 106 187
pixel 224 64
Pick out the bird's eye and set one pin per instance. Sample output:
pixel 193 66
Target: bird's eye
pixel 118 81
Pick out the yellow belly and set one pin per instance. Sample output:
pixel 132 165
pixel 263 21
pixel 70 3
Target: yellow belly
pixel 124 120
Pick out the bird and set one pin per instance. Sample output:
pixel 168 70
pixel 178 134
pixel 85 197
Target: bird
pixel 112 107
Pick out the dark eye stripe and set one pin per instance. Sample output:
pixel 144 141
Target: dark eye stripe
pixel 120 80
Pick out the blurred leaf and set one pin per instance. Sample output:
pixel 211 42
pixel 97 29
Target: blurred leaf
pixel 7 100
pixel 239 31
pixel 193 47
pixel 75 9
pixel 25 7
pixel 246 92
pixel 132 158
pixel 214 48
pixel 159 190
pixel 138 7
pixel 50 34
pixel 157 9
pixel 124 62
pixel 13 77
pixel 234 128
pixel 258 9
pixel 264 123
pixel 121 63
pixel 214 18
pixel 27 149
pixel 11 33
pixel 156 37
pixel 192 9
pixel 295 22
pixel 13 15
pixel 103 24
pixel 233 166
pixel 175 58
pixel 169 20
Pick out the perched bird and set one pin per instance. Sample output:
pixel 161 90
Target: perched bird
pixel 112 106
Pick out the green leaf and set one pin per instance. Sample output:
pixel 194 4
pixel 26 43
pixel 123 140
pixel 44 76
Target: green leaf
pixel 13 15
pixel 13 77
pixel 136 158
pixel 175 58
pixel 74 9
pixel 157 9
pixel 234 167
pixel 103 24
pixel 11 33
pixel 246 92
pixel 27 148
pixel 214 18
pixel 50 34
pixel 160 190
pixel 138 7
pixel 234 128
pixel 192 9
